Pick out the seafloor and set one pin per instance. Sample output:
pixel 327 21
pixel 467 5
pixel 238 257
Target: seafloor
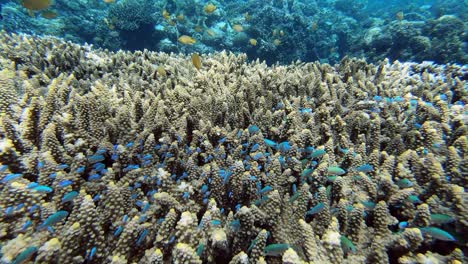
pixel 143 158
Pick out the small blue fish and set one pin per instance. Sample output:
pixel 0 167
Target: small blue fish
pixel 402 225
pixel 365 168
pixel 118 230
pixel 129 145
pixel 437 233
pixel 275 249
pixel 42 189
pixel 26 225
pixel 270 143
pixel 130 167
pixel 95 158
pixel 101 151
pixel 91 253
pixel 316 209
pixel 440 219
pixel 3 168
pixel 65 183
pixel 266 189
pixel 53 219
pixel 317 153
pixel 99 166
pixel 25 255
pixel 94 177
pixel 254 147
pixel 200 248
pixel 69 196
pixel 252 129
pixel 404 183
pixel 414 199
pixel 368 204
pixel 294 197
pixel 284 146
pixel 80 169
pixel 62 166
pixel 204 188
pixel 11 176
pixel 141 237
pixel 32 185
pixel 252 244
pixel 347 245
pixel 258 156
pixel 335 170
pixel 215 222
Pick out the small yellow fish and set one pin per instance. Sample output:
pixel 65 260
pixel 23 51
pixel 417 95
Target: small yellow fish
pixel 209 8
pixel 187 40
pixel 109 1
pixel 253 42
pixel 36 5
pixel 166 14
pixel 277 42
pixel 247 17
pixel 400 16
pixel 161 71
pixel 49 14
pixel 198 28
pixel 314 26
pixel 210 32
pixel 237 28
pixel 281 33
pixel 196 61
pixel 180 17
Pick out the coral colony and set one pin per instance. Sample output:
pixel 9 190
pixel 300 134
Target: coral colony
pixel 145 157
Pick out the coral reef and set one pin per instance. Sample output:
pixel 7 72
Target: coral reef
pixel 140 157
pixel 274 31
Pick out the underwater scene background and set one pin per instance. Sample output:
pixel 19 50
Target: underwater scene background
pixel 238 132
pixel 274 30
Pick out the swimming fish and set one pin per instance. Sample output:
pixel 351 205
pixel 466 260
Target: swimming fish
pixel 24 256
pixel 365 168
pixel 437 233
pixel 196 61
pixel 69 196
pixel 335 171
pixel 53 219
pixel 441 219
pixel 316 209
pixel 347 245
pixel 36 5
pixel 187 40
pixel 209 8
pixel 275 249
pixel 404 183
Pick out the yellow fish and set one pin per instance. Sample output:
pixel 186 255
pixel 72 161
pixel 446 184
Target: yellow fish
pixel 187 40
pixel 196 61
pixel 209 8
pixel 253 42
pixel 237 28
pixel 36 5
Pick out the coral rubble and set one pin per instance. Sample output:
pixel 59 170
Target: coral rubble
pixel 143 158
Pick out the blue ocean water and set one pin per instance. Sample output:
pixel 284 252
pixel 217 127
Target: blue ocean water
pixel 275 31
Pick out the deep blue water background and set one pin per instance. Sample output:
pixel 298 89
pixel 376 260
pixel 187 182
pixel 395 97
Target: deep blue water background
pixel 283 30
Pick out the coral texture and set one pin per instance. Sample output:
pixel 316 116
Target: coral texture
pixel 143 158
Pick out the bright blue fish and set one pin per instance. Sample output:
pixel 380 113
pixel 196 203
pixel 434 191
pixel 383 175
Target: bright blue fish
pixel 95 176
pixel 284 146
pixel 270 143
pixel 3 168
pixel 95 158
pixel 316 209
pixel 275 249
pixel 92 251
pixel 141 237
pixel 118 230
pixel 437 233
pixel 69 196
pixel 347 245
pixel 200 248
pixel 80 169
pixel 65 183
pixel 252 129
pixel 254 147
pixel 317 153
pixel 42 189
pixel 266 189
pixel 32 185
pixel 335 170
pixel 62 166
pixel 53 219
pixel 11 176
pixel 24 255
pixel 258 156
pixel 365 168
pixel 404 183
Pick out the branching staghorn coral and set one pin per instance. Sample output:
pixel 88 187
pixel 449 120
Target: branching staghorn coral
pixel 140 157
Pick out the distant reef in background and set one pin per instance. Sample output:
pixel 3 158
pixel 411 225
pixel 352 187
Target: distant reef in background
pixel 275 31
